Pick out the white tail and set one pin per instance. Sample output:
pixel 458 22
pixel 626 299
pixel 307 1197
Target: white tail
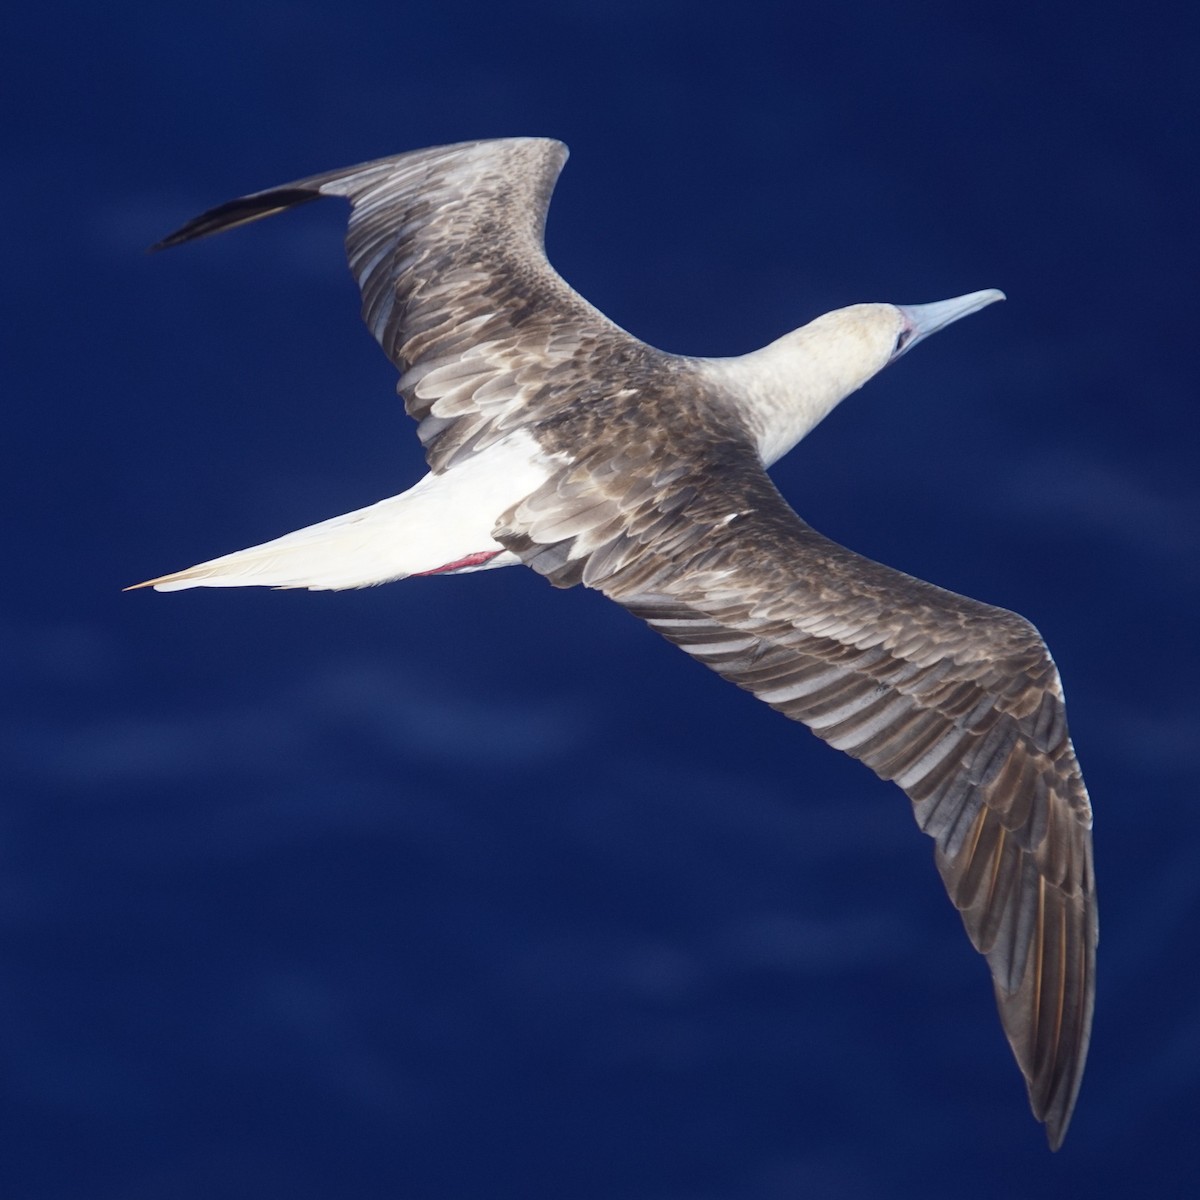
pixel 443 524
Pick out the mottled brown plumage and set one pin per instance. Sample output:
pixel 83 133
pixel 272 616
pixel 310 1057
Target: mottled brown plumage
pixel 655 494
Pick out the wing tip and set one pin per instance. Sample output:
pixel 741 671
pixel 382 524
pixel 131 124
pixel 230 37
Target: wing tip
pixel 1056 1131
pixel 233 213
pixel 256 205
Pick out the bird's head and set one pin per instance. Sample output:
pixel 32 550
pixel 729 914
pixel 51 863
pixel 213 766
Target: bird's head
pixel 816 367
pixel 849 345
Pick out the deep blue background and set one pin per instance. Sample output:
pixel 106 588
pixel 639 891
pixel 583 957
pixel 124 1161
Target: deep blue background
pixel 468 888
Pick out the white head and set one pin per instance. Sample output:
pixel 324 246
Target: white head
pixel 810 371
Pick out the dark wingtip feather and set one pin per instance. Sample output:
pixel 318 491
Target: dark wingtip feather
pixel 1055 1132
pixel 237 212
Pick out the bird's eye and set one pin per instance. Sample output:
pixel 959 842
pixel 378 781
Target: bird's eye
pixel 902 340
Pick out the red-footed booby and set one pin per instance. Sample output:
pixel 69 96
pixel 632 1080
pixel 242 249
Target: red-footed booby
pixel 556 439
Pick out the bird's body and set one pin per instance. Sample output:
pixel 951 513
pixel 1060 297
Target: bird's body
pixel 557 440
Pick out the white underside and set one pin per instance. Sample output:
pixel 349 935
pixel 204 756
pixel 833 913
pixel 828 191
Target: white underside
pixel 442 520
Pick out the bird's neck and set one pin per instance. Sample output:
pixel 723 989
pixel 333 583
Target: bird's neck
pixel 788 387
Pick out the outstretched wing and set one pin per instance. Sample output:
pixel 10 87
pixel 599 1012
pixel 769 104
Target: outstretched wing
pixel 959 703
pixel 447 248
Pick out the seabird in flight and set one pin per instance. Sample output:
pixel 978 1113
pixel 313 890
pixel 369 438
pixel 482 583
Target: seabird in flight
pixel 556 439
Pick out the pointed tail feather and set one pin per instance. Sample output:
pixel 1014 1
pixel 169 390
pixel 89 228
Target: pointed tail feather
pixel 412 534
pixel 442 525
pixel 354 550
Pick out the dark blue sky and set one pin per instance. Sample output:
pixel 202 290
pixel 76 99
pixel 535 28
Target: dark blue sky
pixel 468 888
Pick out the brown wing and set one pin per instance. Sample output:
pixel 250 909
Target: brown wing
pixel 958 702
pixel 446 245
